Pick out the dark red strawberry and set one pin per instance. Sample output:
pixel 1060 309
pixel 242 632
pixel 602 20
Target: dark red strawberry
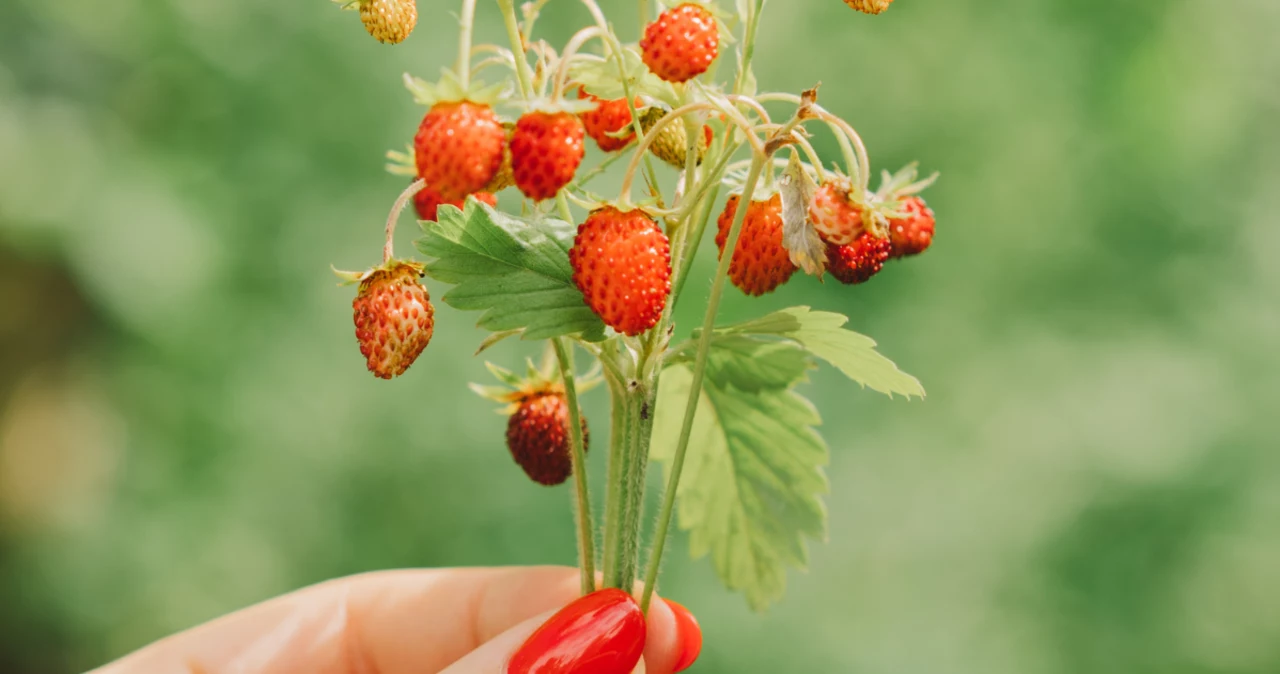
pixel 539 440
pixel 859 261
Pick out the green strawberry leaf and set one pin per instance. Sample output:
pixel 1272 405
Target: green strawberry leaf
pixel 515 270
pixel 599 76
pixel 822 334
pixel 750 494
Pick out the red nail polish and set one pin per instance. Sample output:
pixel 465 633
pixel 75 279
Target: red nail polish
pixel 690 635
pixel 601 633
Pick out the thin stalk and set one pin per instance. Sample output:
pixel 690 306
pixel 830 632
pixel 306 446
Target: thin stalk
pixel 695 389
pixel 695 238
pixel 748 44
pixel 388 248
pixel 586 530
pixel 562 203
pixel 517 47
pixel 646 14
pixel 467 21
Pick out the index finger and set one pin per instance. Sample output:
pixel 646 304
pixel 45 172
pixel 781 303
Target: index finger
pixel 387 622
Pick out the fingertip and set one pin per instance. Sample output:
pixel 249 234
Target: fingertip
pixel 690 634
pixel 662 648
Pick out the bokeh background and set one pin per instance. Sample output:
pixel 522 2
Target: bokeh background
pixel 1092 484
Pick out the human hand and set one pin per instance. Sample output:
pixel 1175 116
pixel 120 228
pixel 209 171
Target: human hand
pixel 454 621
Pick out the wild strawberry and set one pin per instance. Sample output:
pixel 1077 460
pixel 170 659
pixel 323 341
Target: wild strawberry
pixel 834 213
pixel 859 261
pixel 427 201
pixel 911 234
pixel 458 148
pixel 539 440
pixel 681 43
pixel 672 142
pixel 622 264
pixel 546 149
pixel 609 117
pixel 393 317
pixel 869 6
pixel 760 264
pixel 389 21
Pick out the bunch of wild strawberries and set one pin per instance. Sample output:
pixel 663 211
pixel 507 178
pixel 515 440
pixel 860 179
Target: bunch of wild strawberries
pixel 644 103
pixel 621 256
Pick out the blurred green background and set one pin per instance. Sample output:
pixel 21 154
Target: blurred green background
pixel 1092 485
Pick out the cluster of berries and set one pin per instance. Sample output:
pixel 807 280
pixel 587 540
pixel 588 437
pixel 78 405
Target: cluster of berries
pixel 621 257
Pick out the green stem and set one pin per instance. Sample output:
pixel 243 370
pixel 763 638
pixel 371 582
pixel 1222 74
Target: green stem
pixel 748 44
pixel 692 242
pixel 586 530
pixel 646 14
pixel 467 21
pixel 695 388
pixel 562 202
pixel 620 425
pixel 632 493
pixel 517 47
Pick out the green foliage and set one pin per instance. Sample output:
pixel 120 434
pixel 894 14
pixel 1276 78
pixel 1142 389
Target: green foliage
pixel 749 495
pixel 822 334
pixel 600 78
pixel 516 270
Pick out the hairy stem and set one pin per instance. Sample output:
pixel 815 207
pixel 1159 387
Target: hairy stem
pixel 619 438
pixel 586 530
pixel 695 389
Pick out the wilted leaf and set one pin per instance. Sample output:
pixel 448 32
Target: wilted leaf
pixel 799 236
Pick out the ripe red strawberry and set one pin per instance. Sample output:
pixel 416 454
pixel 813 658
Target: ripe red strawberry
pixel 869 6
pixel 622 264
pixel 546 149
pixel 858 261
pixel 538 437
pixel 427 201
pixel 681 43
pixel 834 214
pixel 458 148
pixel 389 21
pixel 609 117
pixel 760 264
pixel 912 234
pixel 393 317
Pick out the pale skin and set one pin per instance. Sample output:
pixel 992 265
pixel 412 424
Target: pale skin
pixel 452 621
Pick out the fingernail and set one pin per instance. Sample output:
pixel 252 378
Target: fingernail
pixel 690 635
pixel 601 633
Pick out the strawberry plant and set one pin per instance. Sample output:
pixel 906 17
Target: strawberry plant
pixel 715 406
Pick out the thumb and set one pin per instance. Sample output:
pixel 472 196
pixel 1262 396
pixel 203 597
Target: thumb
pixel 602 632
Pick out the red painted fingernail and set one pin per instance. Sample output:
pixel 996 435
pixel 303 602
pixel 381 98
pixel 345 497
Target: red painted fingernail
pixel 690 635
pixel 601 633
